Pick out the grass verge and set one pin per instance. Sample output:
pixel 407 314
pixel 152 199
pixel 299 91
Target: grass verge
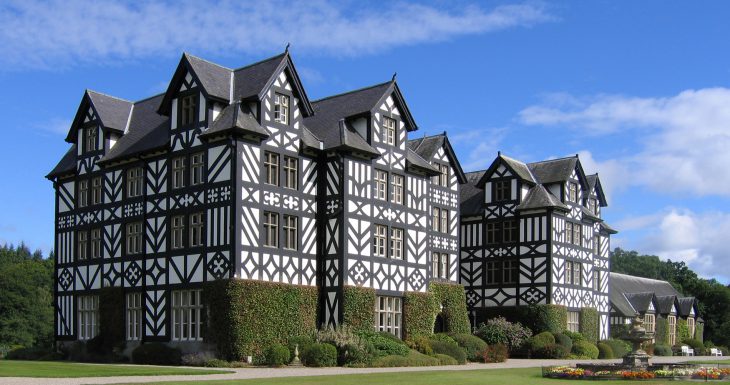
pixel 58 369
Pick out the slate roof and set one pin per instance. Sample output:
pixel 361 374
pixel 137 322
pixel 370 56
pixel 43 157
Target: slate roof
pixel 608 228
pixel 685 305
pixel 472 197
pixel 640 301
pixel 250 80
pixel 588 214
pixel 350 140
pixel 148 130
pixel 664 303
pixel 427 146
pixel 112 111
pixel 621 305
pixel 215 79
pixel 522 170
pixel 413 159
pixel 637 292
pixel 66 165
pixel 553 171
pixel 236 118
pixel 538 197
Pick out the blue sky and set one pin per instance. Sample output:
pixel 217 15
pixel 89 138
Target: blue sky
pixel 641 90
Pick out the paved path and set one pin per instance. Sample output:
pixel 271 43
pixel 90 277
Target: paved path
pixel 249 373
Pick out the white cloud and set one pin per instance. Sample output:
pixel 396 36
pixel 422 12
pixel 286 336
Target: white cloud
pixel 54 126
pixel 482 145
pixel 48 34
pixel 684 138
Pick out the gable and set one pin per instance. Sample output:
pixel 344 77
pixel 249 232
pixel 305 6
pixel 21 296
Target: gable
pixel 214 82
pixel 392 100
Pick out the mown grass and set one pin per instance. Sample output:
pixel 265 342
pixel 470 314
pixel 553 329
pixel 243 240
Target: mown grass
pixel 58 369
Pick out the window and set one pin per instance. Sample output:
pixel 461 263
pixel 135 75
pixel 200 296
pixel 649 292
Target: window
pixel 187 110
pixel 134 182
pixel 134 316
pixel 379 239
pixel 573 273
pixel 577 276
pixel 509 272
pixel 196 169
pixel 396 191
pixel 186 315
pixel 492 272
pixel 281 108
pixel 593 206
pixel 196 229
pixel 444 265
pixel 96 190
pixel 88 317
pixel 596 280
pixel 568 232
pixel 291 175
pixel 672 321
pixel 502 190
pixel 290 232
pixel 691 326
pixel 83 193
pixel 271 168
pixel 96 243
pixel 389 130
pixel 492 233
pixel 444 221
pixel 381 184
pixel 436 222
pixel 649 323
pixel 82 248
pixel 178 231
pixel 134 238
pixel 444 175
pixel 396 243
pixel 271 229
pixel 435 264
pixel 178 172
pixel 573 321
pixel 596 244
pixel 573 192
pixel 509 232
pixel 577 236
pixel 92 143
pixel 388 315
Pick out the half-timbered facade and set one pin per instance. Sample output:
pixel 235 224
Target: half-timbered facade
pixel 234 173
pixel 533 234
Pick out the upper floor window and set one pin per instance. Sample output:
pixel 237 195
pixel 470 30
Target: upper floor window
pixel 444 221
pixel 492 233
pixel 187 109
pixel 271 229
pixel 593 206
pixel 509 231
pixel 596 280
pixel 134 182
pixel 271 168
pixel 577 234
pixel 82 245
pixel 380 237
pixel 196 168
pixel 573 192
pixel 96 190
pixel 502 190
pixel 492 272
pixel 178 231
pixel 96 243
pixel 396 191
pixel 396 243
pixel 596 244
pixel 281 108
pixel 290 232
pixel 291 172
pixel 389 131
pixel 381 184
pixel 196 229
pixel 134 238
pixel 178 172
pixel 443 176
pixel 573 273
pixel 440 265
pixel 83 199
pixel 510 271
pixel 92 138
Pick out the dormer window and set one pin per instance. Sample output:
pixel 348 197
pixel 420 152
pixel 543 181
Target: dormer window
pixel 573 192
pixel 593 206
pixel 389 130
pixel 281 108
pixel 92 134
pixel 187 110
pixel 502 190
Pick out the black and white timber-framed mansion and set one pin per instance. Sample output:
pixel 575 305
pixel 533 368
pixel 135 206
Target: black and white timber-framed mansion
pixel 235 173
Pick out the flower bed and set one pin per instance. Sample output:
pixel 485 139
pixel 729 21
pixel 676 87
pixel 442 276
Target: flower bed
pixel 696 373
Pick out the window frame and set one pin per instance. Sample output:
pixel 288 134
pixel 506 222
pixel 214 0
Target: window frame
pixel 509 231
pixel 493 231
pixel 396 243
pixel 510 272
pixel 397 182
pixel 444 175
pixel 88 316
pixel 135 182
pixel 389 315
pixel 134 241
pixel 445 219
pixel 97 189
pixel 271 229
pixel 197 168
pixel 290 169
pixel 178 169
pixel 381 185
pixel 91 138
pixel 133 313
pixel 444 265
pixel 573 321
pixel 380 241
pixel 578 234
pixel 492 272
pixel 187 312
pixel 390 131
pixel 82 245
pixel 568 232
pixel 281 108
pixel 290 227
pixel 83 191
pixel 95 241
pixel 271 168
pixel 573 192
pixel 177 232
pixel 197 229
pixel 188 109
pixel 502 190
pixel 672 326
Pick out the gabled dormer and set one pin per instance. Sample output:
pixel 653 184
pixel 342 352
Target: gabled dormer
pixel 596 199
pixel 506 181
pixel 438 152
pixel 99 122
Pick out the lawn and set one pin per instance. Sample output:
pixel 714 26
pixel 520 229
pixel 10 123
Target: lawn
pixel 531 376
pixel 56 369
pixel 709 362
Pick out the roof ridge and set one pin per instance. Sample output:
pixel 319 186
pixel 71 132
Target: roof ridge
pixel 649 279
pixel 259 62
pixel 554 160
pixel 207 61
pixel 148 98
pixel 109 96
pixel 351 92
pixel 474 172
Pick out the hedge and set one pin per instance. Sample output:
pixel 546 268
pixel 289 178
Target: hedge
pixel 111 317
pixel 699 331
pixel 682 329
pixel 588 321
pixel 453 300
pixel 419 314
pixel 246 316
pixel 538 318
pixel 358 309
pixel 661 334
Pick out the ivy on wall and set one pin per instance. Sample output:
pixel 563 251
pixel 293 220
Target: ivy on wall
pixel 661 334
pixel 358 308
pixel 682 330
pixel 588 321
pixel 419 314
pixel 453 299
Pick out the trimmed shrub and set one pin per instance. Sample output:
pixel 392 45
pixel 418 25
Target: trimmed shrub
pixel 420 344
pixel 494 353
pixel 683 330
pixel 453 350
pixel 585 349
pixel 197 358
pixel 442 337
pixel 699 331
pixel 564 341
pixel 661 331
pixel 302 342
pixel 619 347
pixel 541 340
pixel 320 355
pixel 453 299
pixel 574 336
pixel 413 358
pixel 697 345
pixel 29 354
pixel 156 354
pixel 446 360
pixel 604 350
pixel 588 318
pixel 385 344
pixel 276 355
pixel 246 315
pixel 420 309
pixel 358 308
pixel 500 331
pixel 472 345
pixel 348 343
pixel 552 351
pixel 662 350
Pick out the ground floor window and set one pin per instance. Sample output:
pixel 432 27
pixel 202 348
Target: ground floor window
pixel 186 315
pixel 672 321
pixel 650 323
pixel 388 315
pixel 134 316
pixel 88 317
pixel 573 321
